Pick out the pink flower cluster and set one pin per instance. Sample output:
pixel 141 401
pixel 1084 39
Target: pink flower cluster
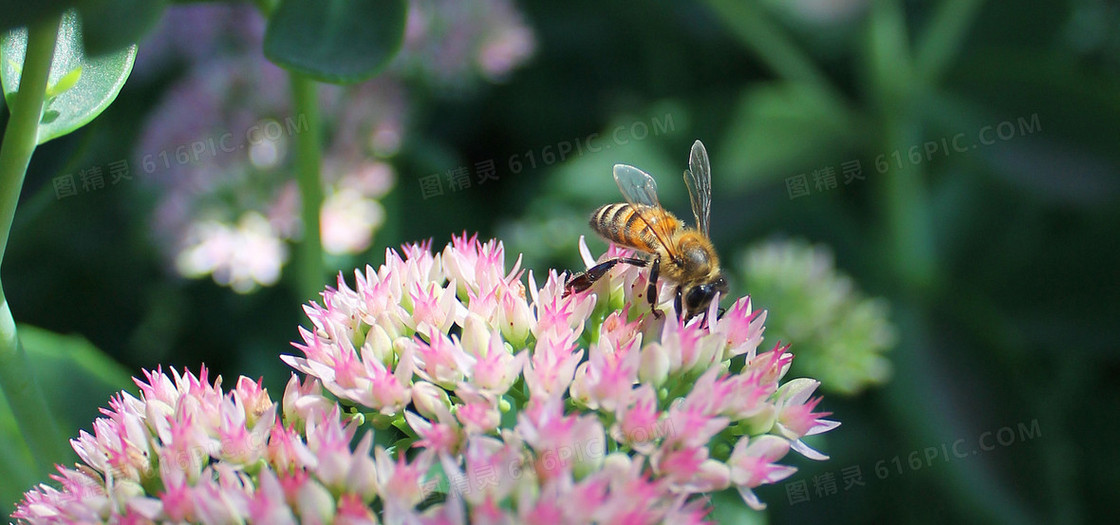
pixel 552 396
pixel 184 451
pixel 506 403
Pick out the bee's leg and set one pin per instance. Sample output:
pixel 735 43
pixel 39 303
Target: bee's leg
pixel 584 280
pixel 677 303
pixel 651 291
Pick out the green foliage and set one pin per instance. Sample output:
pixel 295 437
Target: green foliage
pixel 78 379
pixel 109 25
pixel 79 376
pixel 64 84
pixel 16 13
pixel 16 461
pixel 782 126
pixel 82 86
pixel 337 41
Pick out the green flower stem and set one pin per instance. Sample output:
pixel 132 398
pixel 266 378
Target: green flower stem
pixel 36 421
pixel 905 201
pixel 907 212
pixel 22 132
pixel 17 379
pixel 309 257
pixel 943 37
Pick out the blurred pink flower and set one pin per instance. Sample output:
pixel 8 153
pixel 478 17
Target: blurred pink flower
pixel 452 42
pixel 218 146
pixel 348 220
pixel 241 256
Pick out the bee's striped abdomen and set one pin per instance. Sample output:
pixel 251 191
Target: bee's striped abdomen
pixel 610 221
pixel 622 225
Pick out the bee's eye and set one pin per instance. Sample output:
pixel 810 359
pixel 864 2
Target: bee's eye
pixel 699 296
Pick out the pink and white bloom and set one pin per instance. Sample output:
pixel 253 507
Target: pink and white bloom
pixel 608 377
pixel 639 424
pixel 401 482
pixel 753 463
pixel 796 418
pixel 213 456
pixel 517 390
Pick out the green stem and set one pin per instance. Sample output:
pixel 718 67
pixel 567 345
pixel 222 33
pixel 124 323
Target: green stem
pixel 907 210
pixel 25 396
pixel 309 257
pixel 22 132
pixel 905 202
pixel 943 37
pixel 17 379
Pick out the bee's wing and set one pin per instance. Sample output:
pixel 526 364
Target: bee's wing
pixel 698 178
pixel 640 191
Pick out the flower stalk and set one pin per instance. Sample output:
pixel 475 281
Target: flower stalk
pixel 309 257
pixel 905 201
pixel 17 379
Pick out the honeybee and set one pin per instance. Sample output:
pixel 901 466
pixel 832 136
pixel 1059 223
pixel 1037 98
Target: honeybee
pixel 684 255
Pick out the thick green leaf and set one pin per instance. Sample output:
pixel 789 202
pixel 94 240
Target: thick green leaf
pixel 336 41
pixel 109 25
pixel 77 379
pixel 76 376
pixel 781 129
pixel 16 13
pixel 100 78
pixel 16 461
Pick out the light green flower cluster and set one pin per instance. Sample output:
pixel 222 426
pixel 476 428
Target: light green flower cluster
pixel 840 334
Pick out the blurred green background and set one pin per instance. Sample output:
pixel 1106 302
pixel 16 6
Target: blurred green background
pixel 943 177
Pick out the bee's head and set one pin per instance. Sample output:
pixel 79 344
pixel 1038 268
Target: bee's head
pixel 697 298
